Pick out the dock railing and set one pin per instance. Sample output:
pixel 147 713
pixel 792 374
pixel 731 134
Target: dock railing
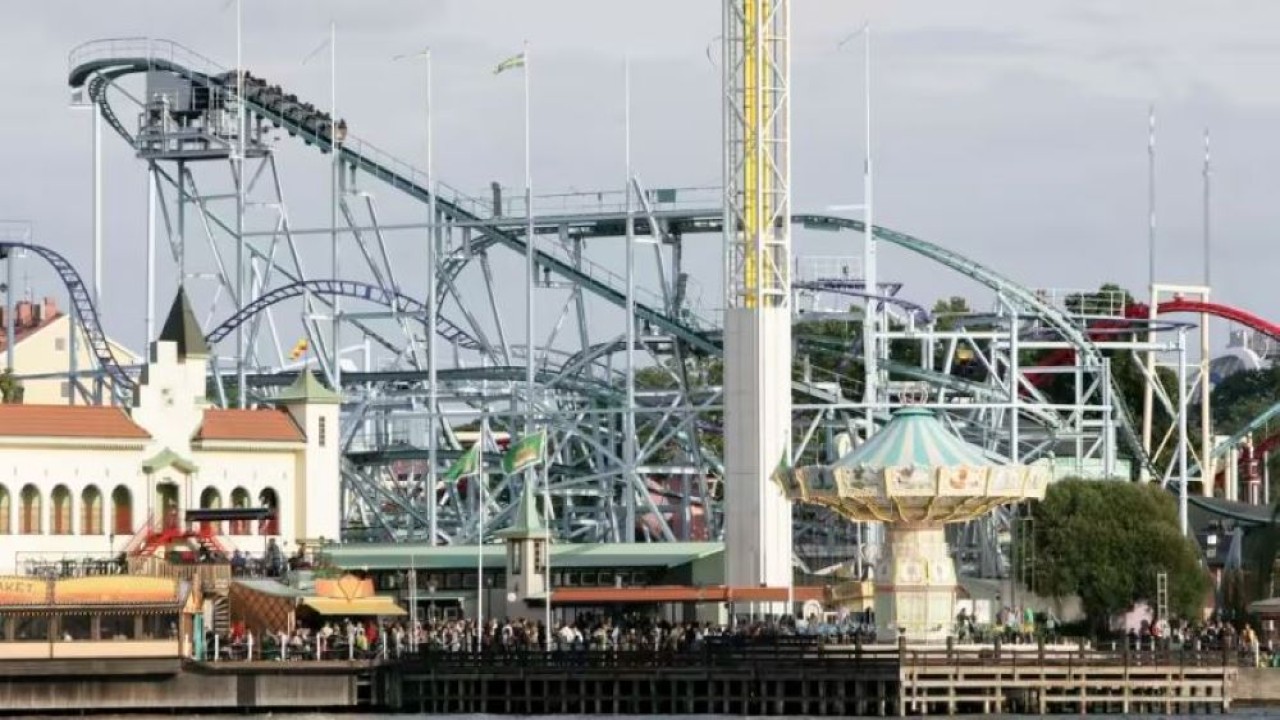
pixel 765 655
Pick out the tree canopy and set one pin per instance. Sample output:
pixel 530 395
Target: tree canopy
pixel 10 388
pixel 1107 542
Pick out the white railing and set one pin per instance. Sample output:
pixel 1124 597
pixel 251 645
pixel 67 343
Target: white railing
pixel 142 47
pixel 1085 303
pixel 827 267
pixel 577 202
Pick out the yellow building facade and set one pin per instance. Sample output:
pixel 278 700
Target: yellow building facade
pixel 80 480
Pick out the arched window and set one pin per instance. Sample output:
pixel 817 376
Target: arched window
pixel 121 511
pixel 29 514
pixel 210 499
pixel 60 511
pixel 5 502
pixel 269 525
pixel 91 511
pixel 239 499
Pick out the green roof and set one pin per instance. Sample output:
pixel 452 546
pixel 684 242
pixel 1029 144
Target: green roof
pixel 168 458
pixel 915 438
pixel 528 521
pixel 308 389
pixel 401 556
pixel 182 328
pixel 274 588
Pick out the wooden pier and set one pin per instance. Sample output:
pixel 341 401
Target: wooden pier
pixel 812 680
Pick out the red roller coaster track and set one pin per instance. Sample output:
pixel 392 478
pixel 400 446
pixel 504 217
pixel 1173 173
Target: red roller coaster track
pixel 1170 307
pixel 1140 310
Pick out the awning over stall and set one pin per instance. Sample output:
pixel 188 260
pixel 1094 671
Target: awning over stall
pixel 377 605
pixel 350 595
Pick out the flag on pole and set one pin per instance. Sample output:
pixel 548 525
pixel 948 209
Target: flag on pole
pixel 466 466
pixel 511 63
pixel 784 468
pixel 299 349
pixel 526 452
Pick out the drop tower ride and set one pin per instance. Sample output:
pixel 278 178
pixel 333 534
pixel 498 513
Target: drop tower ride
pixel 757 323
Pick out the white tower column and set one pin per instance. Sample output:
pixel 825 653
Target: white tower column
pixel 757 206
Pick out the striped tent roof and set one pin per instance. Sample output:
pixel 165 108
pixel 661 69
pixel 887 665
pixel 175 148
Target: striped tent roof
pixel 915 438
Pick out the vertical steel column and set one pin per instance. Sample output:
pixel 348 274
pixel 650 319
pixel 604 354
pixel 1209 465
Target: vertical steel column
pixel 242 395
pixel 9 333
pixel 1015 453
pixel 335 146
pixel 1182 433
pixel 97 208
pixel 151 256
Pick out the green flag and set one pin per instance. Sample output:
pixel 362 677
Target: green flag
pixel 466 466
pixel 511 63
pixel 784 466
pixel 529 450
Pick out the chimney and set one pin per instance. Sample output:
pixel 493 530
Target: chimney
pixel 23 317
pixel 50 309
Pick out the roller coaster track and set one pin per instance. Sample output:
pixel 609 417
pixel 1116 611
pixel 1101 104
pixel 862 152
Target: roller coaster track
pixel 100 63
pixel 1025 298
pixel 347 288
pixel 311 125
pixel 85 312
pixel 854 289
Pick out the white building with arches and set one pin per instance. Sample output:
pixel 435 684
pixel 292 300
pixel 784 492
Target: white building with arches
pixel 85 480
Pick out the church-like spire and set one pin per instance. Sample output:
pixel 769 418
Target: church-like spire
pixel 528 521
pixel 182 328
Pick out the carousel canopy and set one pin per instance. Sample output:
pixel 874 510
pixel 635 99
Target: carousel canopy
pixel 915 438
pixel 914 470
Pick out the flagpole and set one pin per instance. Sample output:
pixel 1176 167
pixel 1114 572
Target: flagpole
pixel 433 400
pixel 546 520
pixel 629 428
pixel 530 277
pixel 241 394
pixel 335 172
pixel 530 265
pixel 483 480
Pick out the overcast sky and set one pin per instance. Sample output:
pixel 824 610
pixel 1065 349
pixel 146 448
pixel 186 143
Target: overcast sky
pixel 1012 131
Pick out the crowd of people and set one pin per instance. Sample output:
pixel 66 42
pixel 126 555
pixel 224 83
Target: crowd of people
pixel 366 638
pixel 357 638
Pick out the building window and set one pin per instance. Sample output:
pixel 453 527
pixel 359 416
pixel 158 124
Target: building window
pixel 323 428
pixel 5 502
pixel 239 499
pixel 29 514
pixel 75 627
pixel 270 525
pixel 211 499
pixel 60 511
pixel 65 389
pixel 121 511
pixel 91 511
pixel 31 629
pixel 60 344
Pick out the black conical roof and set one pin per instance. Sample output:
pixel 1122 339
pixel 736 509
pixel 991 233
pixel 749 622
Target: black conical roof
pixel 182 328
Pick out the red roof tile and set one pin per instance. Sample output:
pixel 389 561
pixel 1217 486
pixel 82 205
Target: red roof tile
pixel 68 421
pixel 259 425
